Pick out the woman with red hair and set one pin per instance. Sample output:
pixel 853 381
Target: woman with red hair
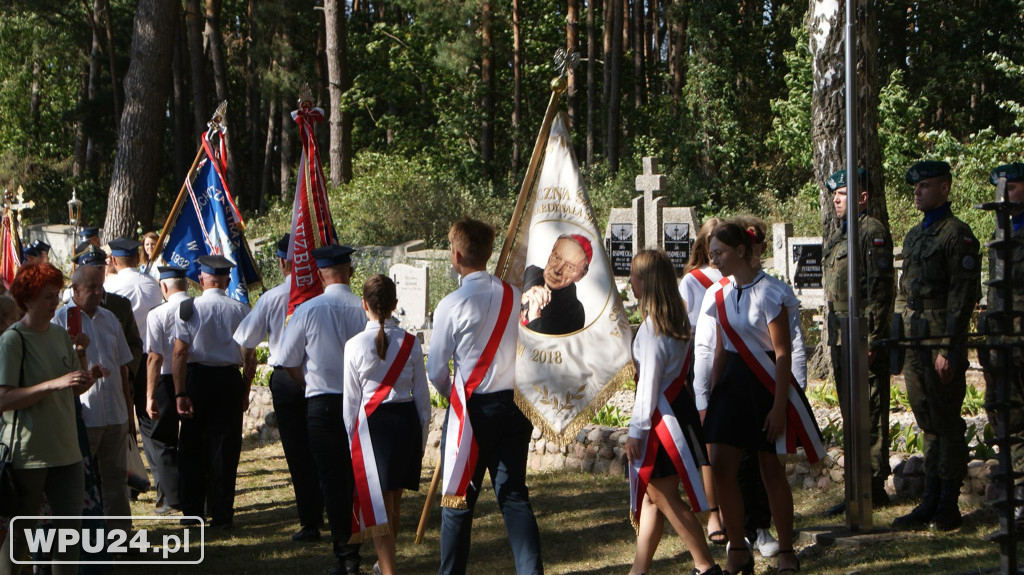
pixel 42 368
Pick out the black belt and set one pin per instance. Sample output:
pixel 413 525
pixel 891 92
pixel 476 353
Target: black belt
pixel 928 303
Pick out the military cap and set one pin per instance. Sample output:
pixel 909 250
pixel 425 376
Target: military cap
pixel 27 251
pixel 215 265
pixel 87 233
pixel 41 246
pixel 124 247
pixel 282 246
pixel 92 257
pixel 80 249
pixel 926 169
pixel 329 256
pixel 838 179
pixel 1012 172
pixel 171 272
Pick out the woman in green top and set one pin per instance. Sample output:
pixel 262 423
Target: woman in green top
pixel 42 368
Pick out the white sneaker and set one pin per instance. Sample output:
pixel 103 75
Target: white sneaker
pixel 766 544
pixel 377 571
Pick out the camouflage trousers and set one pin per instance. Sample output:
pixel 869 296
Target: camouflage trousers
pixel 878 406
pixel 1016 420
pixel 937 407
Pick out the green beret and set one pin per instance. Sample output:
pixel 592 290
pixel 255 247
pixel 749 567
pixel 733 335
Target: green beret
pixel 927 169
pixel 1012 172
pixel 838 179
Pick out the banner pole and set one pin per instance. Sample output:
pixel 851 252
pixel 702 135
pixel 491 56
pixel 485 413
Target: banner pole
pixel 176 208
pixel 558 85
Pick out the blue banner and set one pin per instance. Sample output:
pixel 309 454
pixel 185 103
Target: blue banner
pixel 208 225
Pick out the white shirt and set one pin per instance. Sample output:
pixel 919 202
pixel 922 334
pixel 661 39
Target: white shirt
pixel 103 404
pixel 160 330
pixel 267 317
pixel 692 292
pixel 315 338
pixel 364 370
pixel 706 337
pixel 140 289
pixel 208 332
pixel 660 359
pixel 463 322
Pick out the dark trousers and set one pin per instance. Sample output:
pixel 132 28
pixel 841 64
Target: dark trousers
pixel 210 442
pixel 290 411
pixel 160 441
pixel 328 443
pixel 502 435
pixel 878 406
pixel 757 513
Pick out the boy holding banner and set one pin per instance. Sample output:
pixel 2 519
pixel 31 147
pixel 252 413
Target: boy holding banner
pixel 475 326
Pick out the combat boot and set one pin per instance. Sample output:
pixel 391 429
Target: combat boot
pixel 925 511
pixel 879 496
pixel 947 515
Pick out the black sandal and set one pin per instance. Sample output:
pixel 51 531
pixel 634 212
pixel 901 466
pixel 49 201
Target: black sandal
pixel 748 568
pixel 790 569
pixel 717 537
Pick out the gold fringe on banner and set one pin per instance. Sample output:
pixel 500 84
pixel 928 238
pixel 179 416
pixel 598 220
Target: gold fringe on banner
pixel 455 501
pixel 369 533
pixel 568 435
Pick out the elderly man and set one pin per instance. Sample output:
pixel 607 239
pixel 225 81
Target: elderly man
pixel 210 394
pixel 105 405
pixel 549 302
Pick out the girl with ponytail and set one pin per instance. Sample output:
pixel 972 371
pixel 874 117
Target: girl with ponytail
pixel 387 410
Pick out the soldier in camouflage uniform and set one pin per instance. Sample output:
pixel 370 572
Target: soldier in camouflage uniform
pixel 877 290
pixel 938 290
pixel 1014 174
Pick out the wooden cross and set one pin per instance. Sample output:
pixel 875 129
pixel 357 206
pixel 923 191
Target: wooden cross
pixel 20 206
pixel 648 183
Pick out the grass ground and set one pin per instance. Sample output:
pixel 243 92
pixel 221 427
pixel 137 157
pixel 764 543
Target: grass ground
pixel 584 529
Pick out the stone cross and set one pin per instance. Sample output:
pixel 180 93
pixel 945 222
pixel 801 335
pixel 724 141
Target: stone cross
pixel 20 206
pixel 648 183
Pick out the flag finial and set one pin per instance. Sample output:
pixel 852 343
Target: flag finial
pixel 218 116
pixel 305 96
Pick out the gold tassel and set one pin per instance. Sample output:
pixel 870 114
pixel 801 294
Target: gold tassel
pixel 454 501
pixel 370 532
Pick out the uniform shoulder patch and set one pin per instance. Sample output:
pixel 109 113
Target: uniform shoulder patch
pixel 878 241
pixel 969 262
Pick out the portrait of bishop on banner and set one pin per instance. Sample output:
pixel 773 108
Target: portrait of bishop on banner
pixel 574 337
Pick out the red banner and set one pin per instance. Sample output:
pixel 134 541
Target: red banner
pixel 10 250
pixel 312 226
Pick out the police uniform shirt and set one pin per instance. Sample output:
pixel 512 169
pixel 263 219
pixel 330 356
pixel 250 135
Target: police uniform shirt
pixel 458 333
pixel 208 332
pixel 103 404
pixel 660 359
pixel 266 317
pixel 315 337
pixel 160 330
pixel 692 292
pixel 363 375
pixel 142 290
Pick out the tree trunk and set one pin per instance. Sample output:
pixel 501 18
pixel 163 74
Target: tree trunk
pixel 677 55
pixel 137 165
pixel 591 81
pixel 828 125
pixel 517 87
pixel 235 119
pixel 184 145
pixel 34 101
pixel 268 153
pixel 615 90
pixel 487 83
pixel 572 27
pixel 334 12
pixel 78 164
pixel 287 127
pixel 95 69
pixel 639 80
pixel 253 116
pixel 608 21
pixel 197 61
pixel 112 62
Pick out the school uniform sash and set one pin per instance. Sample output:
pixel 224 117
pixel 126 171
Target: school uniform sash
pixel 369 515
pixel 460 449
pixel 665 429
pixel 801 428
pixel 702 278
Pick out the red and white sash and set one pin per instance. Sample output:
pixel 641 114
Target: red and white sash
pixel 665 429
pixel 801 428
pixel 702 278
pixel 460 450
pixel 368 511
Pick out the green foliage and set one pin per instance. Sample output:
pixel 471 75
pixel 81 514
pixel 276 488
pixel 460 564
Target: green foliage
pixel 262 377
pixel 823 393
pixel 438 400
pixel 262 354
pixel 981 448
pixel 610 416
pixel 832 433
pixel 974 401
pixel 898 400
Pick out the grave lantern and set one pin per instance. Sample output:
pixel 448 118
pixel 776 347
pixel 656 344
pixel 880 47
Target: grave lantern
pixel 74 210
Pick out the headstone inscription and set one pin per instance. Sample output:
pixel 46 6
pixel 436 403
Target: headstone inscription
pixel 412 285
pixel 806 260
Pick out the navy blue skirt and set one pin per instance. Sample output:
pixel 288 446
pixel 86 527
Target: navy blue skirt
pixel 737 408
pixel 397 445
pixel 689 421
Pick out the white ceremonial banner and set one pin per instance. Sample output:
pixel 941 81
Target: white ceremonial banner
pixel 574 337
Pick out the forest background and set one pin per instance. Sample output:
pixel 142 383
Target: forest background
pixel 434 105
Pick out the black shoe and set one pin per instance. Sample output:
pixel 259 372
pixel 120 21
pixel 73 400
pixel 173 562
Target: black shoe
pixel 714 570
pixel 880 499
pixel 837 509
pixel 306 534
pixel 923 514
pixel 165 510
pixel 223 525
pixel 947 515
pixel 748 567
pixel 189 522
pixel 340 570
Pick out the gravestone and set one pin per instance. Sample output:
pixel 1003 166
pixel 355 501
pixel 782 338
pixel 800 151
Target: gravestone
pixel 807 270
pixel 413 288
pixel 650 224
